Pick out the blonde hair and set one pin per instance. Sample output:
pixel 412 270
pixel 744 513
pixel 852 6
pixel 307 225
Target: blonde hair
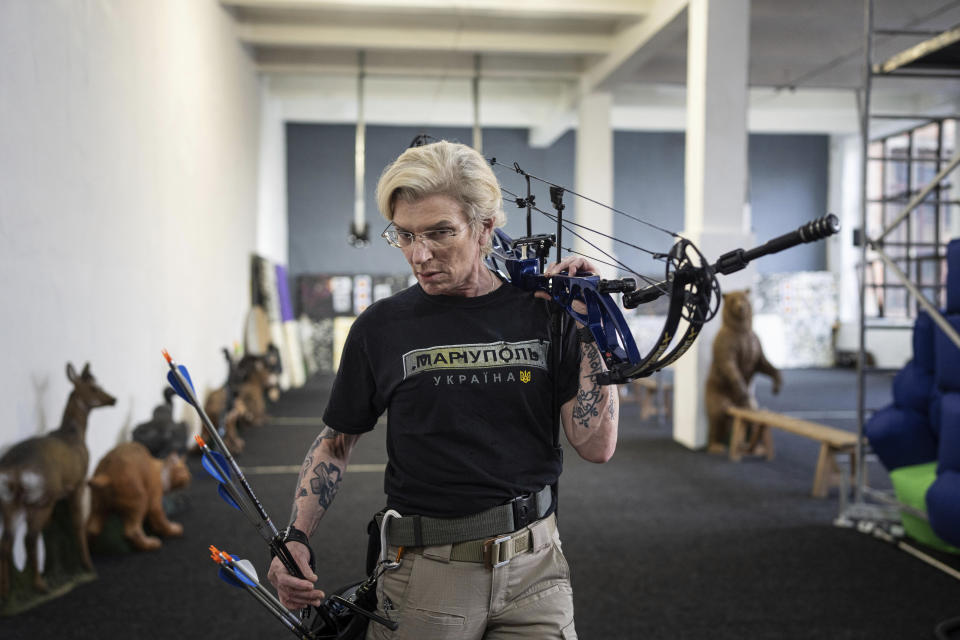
pixel 443 168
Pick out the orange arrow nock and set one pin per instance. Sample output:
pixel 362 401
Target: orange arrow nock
pixel 220 556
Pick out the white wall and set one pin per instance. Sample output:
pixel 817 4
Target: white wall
pixel 129 137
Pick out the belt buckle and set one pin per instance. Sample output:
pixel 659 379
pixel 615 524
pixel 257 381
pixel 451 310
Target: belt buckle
pixel 491 552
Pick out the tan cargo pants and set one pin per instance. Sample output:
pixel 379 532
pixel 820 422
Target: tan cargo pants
pixel 434 597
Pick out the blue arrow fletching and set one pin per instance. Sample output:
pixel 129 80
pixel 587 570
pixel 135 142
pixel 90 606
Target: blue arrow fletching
pixel 216 465
pixel 172 379
pixel 247 566
pixel 186 376
pixel 222 490
pixel 235 577
pixel 231 578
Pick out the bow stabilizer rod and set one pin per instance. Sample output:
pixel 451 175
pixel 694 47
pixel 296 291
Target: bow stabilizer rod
pixel 738 259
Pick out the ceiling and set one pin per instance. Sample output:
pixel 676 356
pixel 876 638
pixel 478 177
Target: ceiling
pixel 621 46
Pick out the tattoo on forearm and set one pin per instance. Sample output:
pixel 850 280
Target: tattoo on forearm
pixel 589 396
pixel 326 483
pixel 592 354
pixel 338 441
pixel 304 468
pixel 319 477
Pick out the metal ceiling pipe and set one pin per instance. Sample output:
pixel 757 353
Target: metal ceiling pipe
pixel 359 232
pixel 477 130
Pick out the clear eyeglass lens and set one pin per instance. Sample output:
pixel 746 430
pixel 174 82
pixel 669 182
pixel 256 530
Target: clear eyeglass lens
pixel 435 237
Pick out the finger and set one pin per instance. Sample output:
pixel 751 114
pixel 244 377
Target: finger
pixel 301 601
pixel 278 574
pixel 557 267
pixel 309 598
pixel 299 595
pixel 295 584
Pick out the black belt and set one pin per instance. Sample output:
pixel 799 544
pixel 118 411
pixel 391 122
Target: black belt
pixel 424 531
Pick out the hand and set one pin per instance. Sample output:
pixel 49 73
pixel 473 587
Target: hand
pixel 295 593
pixel 573 265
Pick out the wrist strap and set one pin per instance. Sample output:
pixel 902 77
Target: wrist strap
pixel 585 335
pixel 292 534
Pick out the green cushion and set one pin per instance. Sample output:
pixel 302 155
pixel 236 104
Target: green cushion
pixel 910 484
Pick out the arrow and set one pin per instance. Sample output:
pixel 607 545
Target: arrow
pixel 228 472
pixel 241 574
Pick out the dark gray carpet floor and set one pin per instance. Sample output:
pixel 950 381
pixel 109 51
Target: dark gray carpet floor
pixel 663 542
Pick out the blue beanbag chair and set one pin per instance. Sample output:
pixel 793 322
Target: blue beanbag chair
pixel 953 284
pixel 948 357
pixel 948 453
pixel 913 388
pixel 933 413
pixel 900 437
pixel 923 354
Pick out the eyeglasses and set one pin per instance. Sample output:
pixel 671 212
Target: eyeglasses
pixel 432 237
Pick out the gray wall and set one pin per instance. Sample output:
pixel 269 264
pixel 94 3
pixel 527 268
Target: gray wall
pixel 788 186
pixel 648 184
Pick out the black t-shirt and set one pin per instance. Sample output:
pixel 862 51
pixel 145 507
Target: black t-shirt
pixel 467 383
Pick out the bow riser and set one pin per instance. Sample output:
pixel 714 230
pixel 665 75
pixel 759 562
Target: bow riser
pixel 603 316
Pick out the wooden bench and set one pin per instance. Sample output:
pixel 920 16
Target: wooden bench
pixel 654 396
pixel 833 441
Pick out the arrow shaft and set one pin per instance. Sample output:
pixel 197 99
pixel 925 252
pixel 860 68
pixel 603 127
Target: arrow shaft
pixel 271 602
pixel 265 526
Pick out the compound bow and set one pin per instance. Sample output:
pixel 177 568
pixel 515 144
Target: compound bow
pixel 689 280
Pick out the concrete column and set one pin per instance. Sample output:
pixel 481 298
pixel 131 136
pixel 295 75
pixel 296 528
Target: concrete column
pixel 716 215
pixel 594 178
pixel 843 199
